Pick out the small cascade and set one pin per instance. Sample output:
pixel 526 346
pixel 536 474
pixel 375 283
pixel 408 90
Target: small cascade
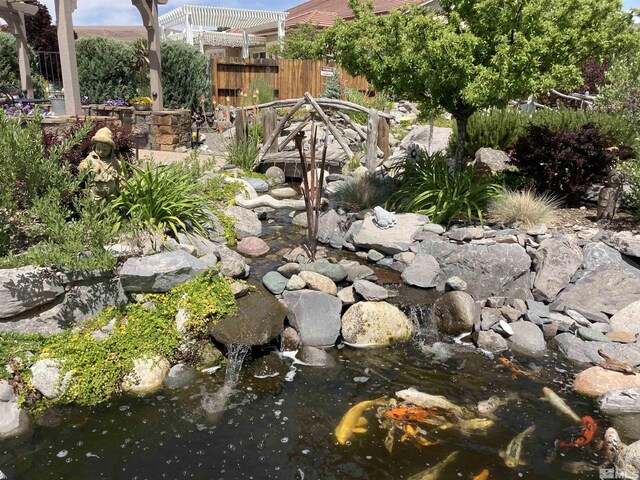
pixel 218 401
pixel 420 317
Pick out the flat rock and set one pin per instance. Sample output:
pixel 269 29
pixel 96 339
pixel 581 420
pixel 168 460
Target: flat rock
pixel 592 335
pixel 422 272
pixel 597 254
pixel 358 272
pixel 296 283
pixel 246 222
pixel 601 292
pixel 527 339
pixel 465 233
pixel 615 402
pixel 284 192
pixel 315 315
pixel 378 323
pixel 627 319
pixel 202 246
pixel 370 291
pixel 260 319
pixel 501 270
pixel 622 337
pixel 258 184
pixel 275 282
pixel 147 376
pixel 392 240
pixel 455 312
pixel 626 243
pixel 556 263
pixel 596 381
pixel 24 288
pixel 334 271
pixel 253 247
pixel 160 272
pixel 328 224
pixel 490 341
pixel 316 281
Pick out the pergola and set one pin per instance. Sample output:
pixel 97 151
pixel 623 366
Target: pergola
pixel 13 12
pixel 249 21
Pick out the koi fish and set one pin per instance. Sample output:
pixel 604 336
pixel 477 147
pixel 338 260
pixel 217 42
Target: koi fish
pixel 413 413
pixel 512 455
pixel 483 475
pixel 475 425
pixel 515 370
pixel 489 406
pixel 426 400
pixel 353 421
pixel 416 435
pixel 559 404
pixel 434 473
pixel 587 432
pixel 612 444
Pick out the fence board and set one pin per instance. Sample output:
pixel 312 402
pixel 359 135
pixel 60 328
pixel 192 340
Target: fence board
pixel 289 78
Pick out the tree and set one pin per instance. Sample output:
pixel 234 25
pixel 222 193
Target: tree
pixel 476 53
pixel 42 35
pixel 185 75
pixel 302 42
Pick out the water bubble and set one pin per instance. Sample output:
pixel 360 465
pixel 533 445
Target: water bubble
pixel 361 379
pixel 69 460
pixel 284 440
pixel 277 414
pixel 305 452
pixel 62 453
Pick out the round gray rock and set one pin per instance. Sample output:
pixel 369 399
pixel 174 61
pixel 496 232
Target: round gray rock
pixel 276 173
pixel 455 313
pixel 275 282
pixel 527 339
pixel 316 357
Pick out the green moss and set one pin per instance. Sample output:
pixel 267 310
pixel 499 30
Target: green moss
pixel 98 367
pixel 227 224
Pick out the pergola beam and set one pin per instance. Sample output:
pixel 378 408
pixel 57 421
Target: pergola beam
pixel 149 12
pixel 66 42
pixel 18 7
pixel 13 13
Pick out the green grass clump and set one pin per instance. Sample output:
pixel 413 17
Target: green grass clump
pixel 364 192
pixel 525 207
pixel 428 186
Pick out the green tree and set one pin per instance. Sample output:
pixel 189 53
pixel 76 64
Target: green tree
pixel 477 53
pixel 185 75
pixel 302 42
pixel 622 89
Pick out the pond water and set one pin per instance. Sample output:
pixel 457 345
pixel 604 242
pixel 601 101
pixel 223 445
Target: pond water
pixel 281 427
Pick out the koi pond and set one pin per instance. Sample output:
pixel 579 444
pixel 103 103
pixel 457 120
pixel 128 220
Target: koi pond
pixel 278 422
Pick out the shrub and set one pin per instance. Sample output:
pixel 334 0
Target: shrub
pixel 631 169
pixel 428 186
pixel 332 88
pixel 10 69
pixel 361 193
pixel 160 198
pixel 106 69
pixel 379 102
pixel 185 75
pixel 525 207
pixel 513 179
pixel 497 128
pixel 73 156
pixel 266 92
pixel 566 162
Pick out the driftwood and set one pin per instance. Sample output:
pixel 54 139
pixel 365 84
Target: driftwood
pixel 269 201
pixel 615 365
pixel 371 158
pixel 325 102
pixel 295 131
pixel 269 123
pixel 332 128
pixel 276 132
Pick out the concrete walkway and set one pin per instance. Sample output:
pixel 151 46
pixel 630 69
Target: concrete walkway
pixel 171 157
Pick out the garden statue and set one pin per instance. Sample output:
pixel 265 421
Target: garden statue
pixel 103 165
pixel 384 219
pixel 610 195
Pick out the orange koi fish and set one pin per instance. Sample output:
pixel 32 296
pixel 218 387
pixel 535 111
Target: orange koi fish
pixel 413 413
pixel 588 430
pixel 515 370
pixel 483 475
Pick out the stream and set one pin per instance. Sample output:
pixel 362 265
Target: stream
pixel 248 425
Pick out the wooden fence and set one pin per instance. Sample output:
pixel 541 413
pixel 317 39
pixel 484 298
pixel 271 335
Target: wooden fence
pixel 289 78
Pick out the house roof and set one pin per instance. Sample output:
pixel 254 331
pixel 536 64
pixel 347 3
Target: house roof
pixel 324 12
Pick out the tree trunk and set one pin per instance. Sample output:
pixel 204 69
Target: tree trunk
pixel 461 124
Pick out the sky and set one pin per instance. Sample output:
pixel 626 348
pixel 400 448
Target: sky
pixel 121 12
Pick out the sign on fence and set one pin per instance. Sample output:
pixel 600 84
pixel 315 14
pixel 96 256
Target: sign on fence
pixel 326 71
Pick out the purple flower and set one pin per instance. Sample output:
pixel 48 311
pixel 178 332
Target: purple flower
pixel 116 102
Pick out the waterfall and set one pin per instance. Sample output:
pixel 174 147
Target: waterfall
pixel 217 402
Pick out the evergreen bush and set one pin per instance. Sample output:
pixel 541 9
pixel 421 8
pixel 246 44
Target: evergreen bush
pixel 332 88
pixel 185 75
pixel 106 69
pixel 10 68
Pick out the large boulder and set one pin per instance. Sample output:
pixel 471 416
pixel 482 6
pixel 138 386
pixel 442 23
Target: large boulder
pixel 527 339
pixel 14 421
pixel 315 315
pixel 615 402
pixel 628 461
pixel 577 350
pixel 556 262
pixel 627 319
pixel 596 381
pixel 626 243
pixel 419 136
pixel 492 160
pixel 82 301
pixel 392 240
pixel 160 272
pixel 246 222
pixel 24 288
pixel 601 292
pixel 260 318
pixel 500 270
pixel 422 271
pixel 147 376
pixel 455 312
pixel 377 323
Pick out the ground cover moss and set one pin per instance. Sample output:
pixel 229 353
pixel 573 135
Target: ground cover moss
pixel 97 366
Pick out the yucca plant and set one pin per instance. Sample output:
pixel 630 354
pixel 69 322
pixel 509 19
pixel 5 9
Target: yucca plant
pixel 526 208
pixel 161 198
pixel 427 185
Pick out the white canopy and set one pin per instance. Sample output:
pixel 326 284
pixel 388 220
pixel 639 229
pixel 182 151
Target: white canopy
pixel 191 16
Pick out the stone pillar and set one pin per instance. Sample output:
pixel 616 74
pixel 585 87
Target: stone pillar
pixel 64 9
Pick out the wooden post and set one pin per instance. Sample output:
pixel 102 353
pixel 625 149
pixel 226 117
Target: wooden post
pixel 383 137
pixel 276 132
pixel 269 122
pixel 241 131
pixel 149 12
pixel 295 131
pixel 371 158
pixel 68 60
